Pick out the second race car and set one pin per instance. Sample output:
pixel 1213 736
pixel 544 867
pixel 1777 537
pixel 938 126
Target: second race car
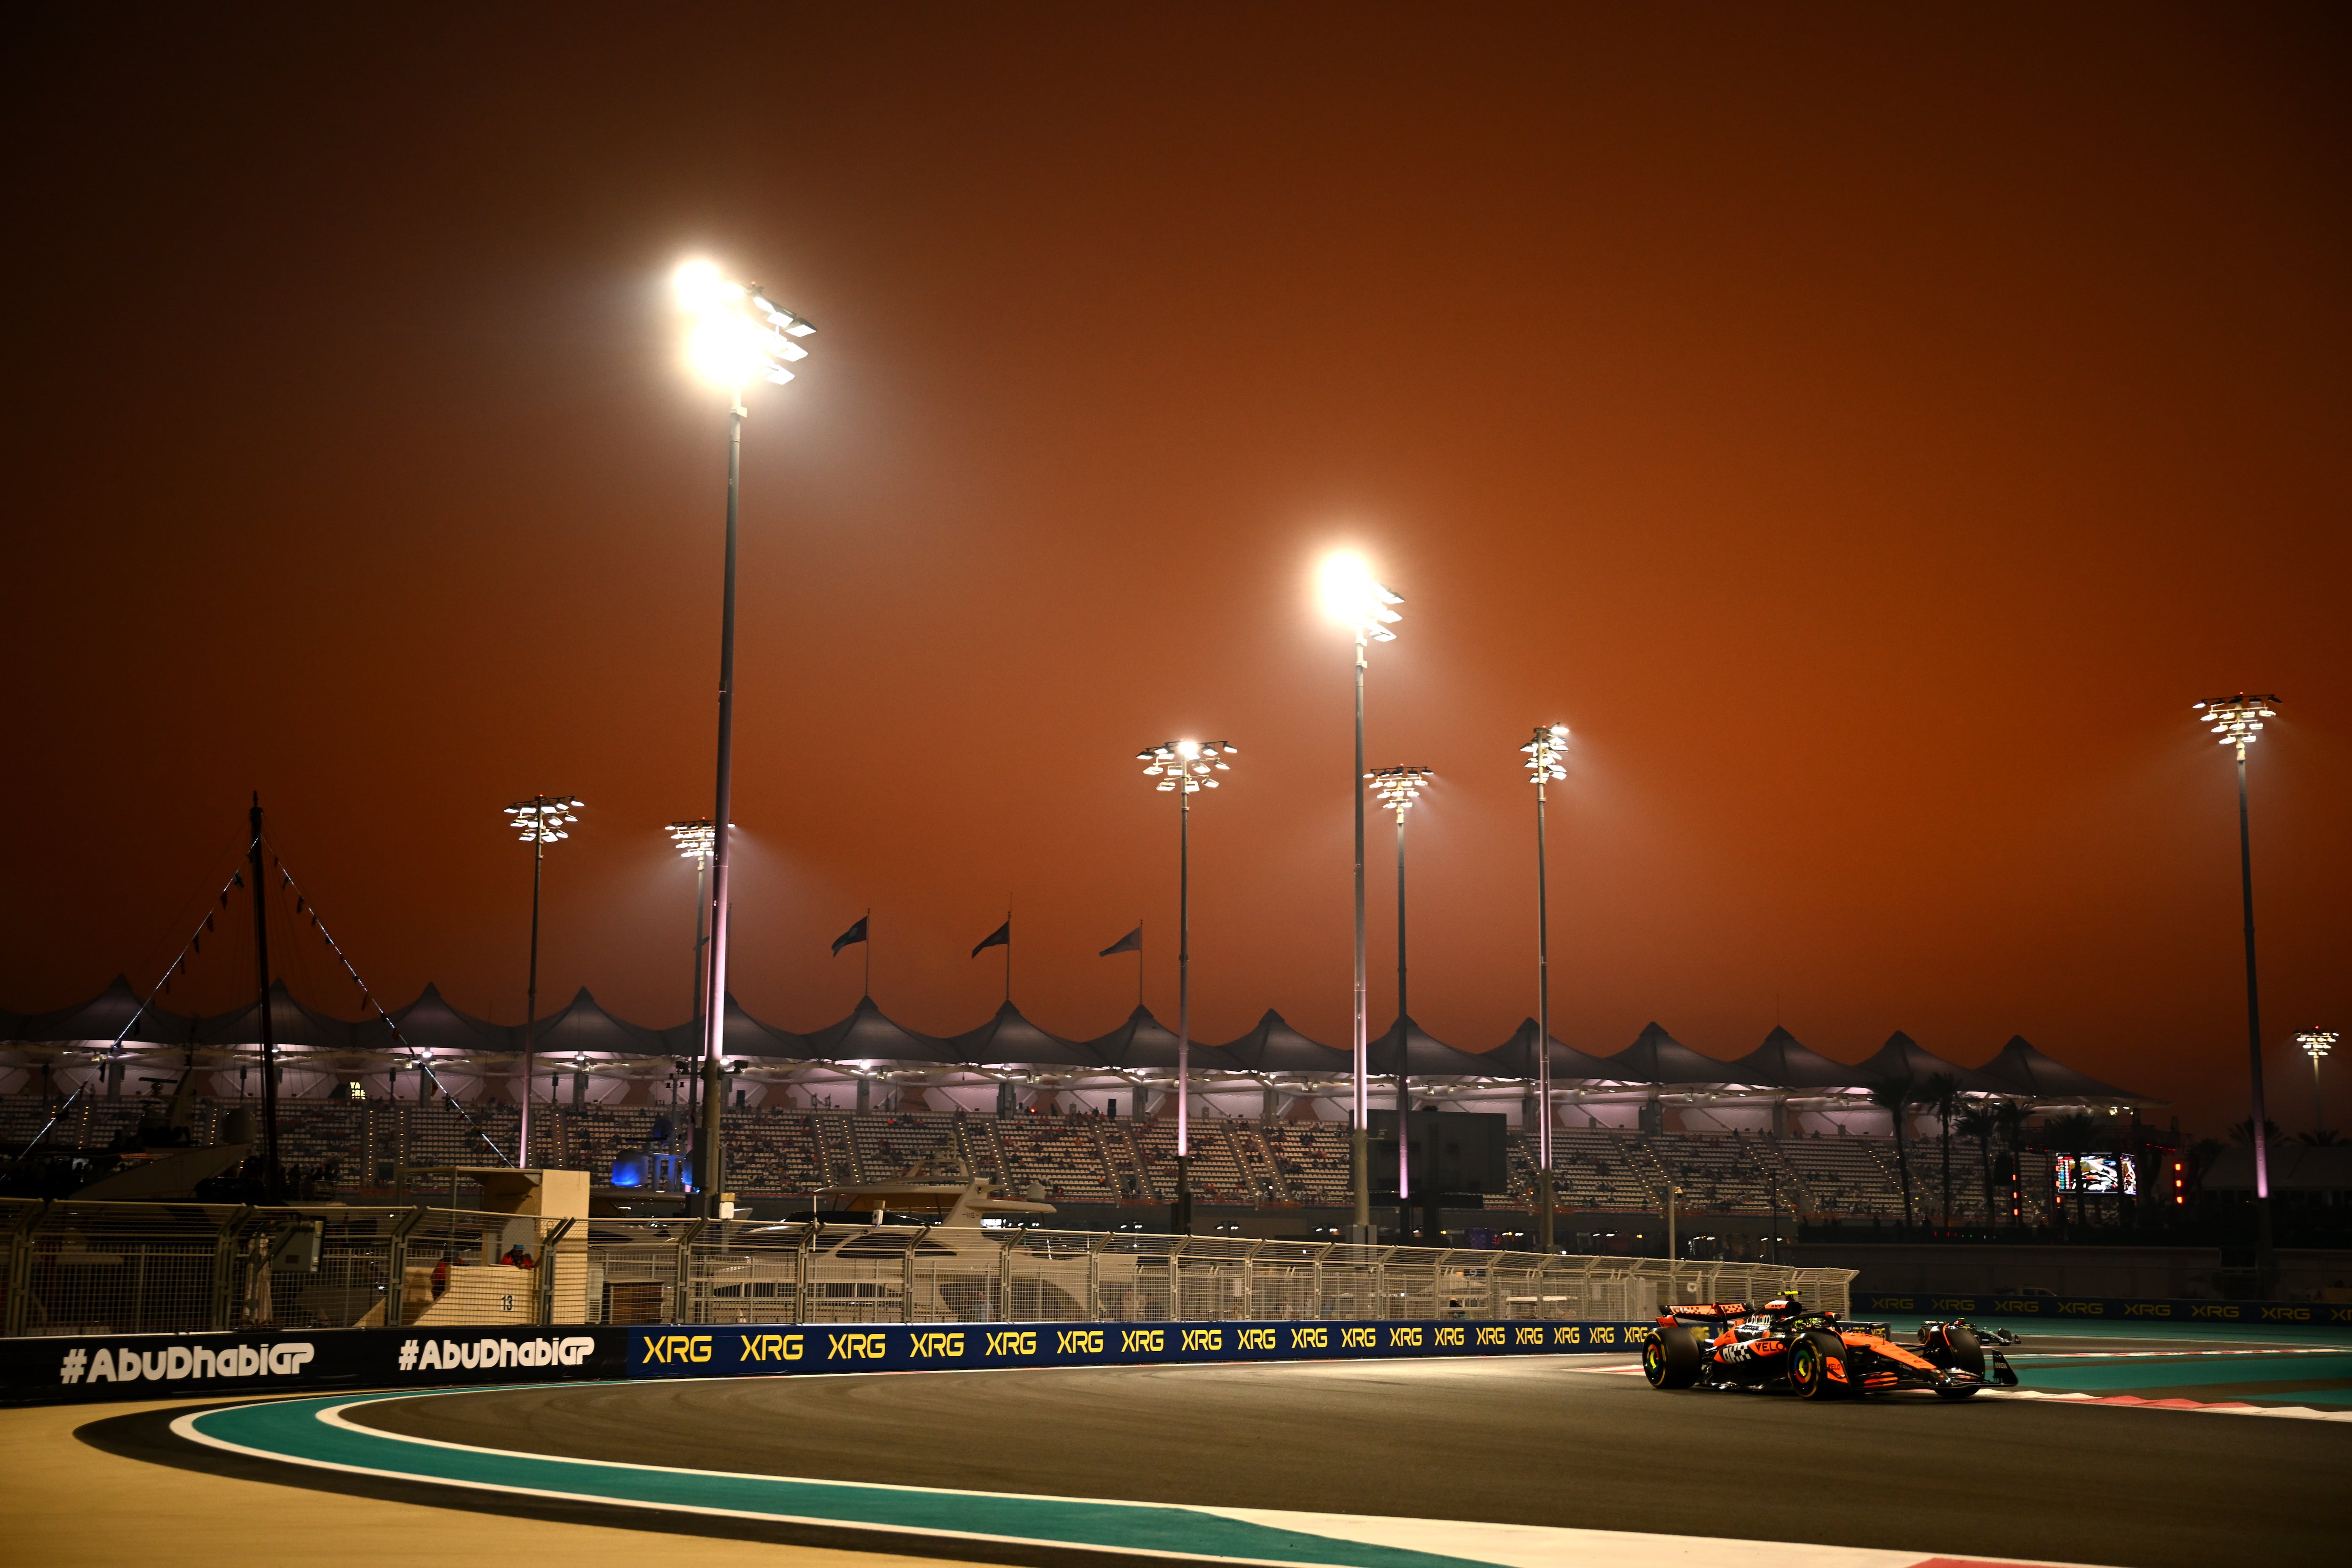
pixel 1781 1344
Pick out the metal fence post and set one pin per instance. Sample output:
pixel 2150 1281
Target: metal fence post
pixel 906 1278
pixel 682 1290
pixel 395 1268
pixel 20 1266
pixel 1314 1281
pixel 803 1250
pixel 1004 1279
pixel 546 1292
pixel 1094 1278
pixel 225 1267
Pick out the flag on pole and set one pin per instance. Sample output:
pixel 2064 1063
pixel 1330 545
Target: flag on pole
pixel 1131 943
pixel 851 937
pixel 1000 937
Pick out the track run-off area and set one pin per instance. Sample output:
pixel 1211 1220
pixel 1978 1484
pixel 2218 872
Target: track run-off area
pixel 2140 1448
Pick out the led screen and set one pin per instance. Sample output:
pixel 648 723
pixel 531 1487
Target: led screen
pixel 2097 1174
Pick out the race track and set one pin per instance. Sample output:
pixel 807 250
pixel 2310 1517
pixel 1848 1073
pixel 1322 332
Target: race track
pixel 1540 1441
pixel 1503 1463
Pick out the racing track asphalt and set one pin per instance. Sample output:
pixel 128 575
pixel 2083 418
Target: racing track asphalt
pixel 1549 1441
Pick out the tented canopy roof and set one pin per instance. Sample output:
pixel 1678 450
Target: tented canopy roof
pixel 1902 1057
pixel 865 1036
pixel 1656 1056
pixel 1423 1056
pixel 1514 1059
pixel 1275 1046
pixel 431 1023
pixel 1781 1062
pixel 293 1023
pixel 1011 1040
pixel 2024 1071
pixel 1143 1044
pixel 744 1037
pixel 584 1028
pixel 101 1019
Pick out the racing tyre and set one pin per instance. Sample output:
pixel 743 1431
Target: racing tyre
pixel 1968 1356
pixel 1808 1366
pixel 1670 1358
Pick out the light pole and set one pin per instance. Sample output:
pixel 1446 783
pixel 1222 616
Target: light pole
pixel 538 822
pixel 2237 721
pixel 693 839
pixel 738 337
pixel 2315 1044
pixel 1361 605
pixel 1185 768
pixel 1398 788
pixel 1544 754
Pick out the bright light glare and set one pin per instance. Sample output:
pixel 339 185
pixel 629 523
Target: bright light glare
pixel 728 350
pixel 701 287
pixel 1352 598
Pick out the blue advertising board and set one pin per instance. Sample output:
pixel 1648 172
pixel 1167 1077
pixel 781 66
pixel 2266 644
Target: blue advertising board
pixel 2108 1309
pixel 782 1349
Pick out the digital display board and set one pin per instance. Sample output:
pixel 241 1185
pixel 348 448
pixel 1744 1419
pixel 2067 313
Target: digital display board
pixel 2097 1174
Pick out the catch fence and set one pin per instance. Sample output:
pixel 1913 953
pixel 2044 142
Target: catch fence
pixel 95 1267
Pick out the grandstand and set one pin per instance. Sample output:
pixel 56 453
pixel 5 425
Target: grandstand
pixel 352 1149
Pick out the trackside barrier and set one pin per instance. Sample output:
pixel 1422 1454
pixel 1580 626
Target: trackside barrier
pixel 2109 1308
pixel 784 1349
pixel 163 1366
pixel 97 1269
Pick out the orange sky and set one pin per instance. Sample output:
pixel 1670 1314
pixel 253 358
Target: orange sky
pixel 1869 432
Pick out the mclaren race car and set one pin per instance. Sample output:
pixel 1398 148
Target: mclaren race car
pixel 1817 1355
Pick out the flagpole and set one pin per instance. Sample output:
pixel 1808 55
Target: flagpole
pixel 1008 953
pixel 868 945
pixel 1139 962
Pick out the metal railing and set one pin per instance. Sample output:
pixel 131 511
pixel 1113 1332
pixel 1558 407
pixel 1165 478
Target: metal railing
pixel 94 1267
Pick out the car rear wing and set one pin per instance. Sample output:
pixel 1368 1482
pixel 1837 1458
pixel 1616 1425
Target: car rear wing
pixel 1704 1314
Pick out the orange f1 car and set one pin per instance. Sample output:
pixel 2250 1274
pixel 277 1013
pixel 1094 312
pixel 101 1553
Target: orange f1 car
pixel 1816 1356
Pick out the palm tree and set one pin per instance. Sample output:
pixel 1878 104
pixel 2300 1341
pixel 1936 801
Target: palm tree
pixel 1977 1121
pixel 1896 1097
pixel 1940 1092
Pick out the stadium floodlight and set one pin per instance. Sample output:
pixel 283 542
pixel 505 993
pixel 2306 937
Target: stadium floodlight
pixel 1183 769
pixel 541 820
pixel 1397 789
pixel 737 336
pixel 1354 599
pixel 693 839
pixel 2315 1044
pixel 2238 722
pixel 1546 752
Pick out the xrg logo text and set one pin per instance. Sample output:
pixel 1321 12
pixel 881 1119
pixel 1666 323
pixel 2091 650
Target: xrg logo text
pixel 176 1362
pixel 448 1355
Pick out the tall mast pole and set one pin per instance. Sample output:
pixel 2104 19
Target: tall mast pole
pixel 2265 1260
pixel 1184 1005
pixel 1360 1145
pixel 709 1169
pixel 1544 1236
pixel 531 986
pixel 1404 1044
pixel 273 1175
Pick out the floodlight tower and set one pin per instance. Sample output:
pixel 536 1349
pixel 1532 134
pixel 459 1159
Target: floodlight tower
pixel 538 822
pixel 693 839
pixel 1397 789
pixel 1544 763
pixel 2238 722
pixel 737 336
pixel 2315 1044
pixel 1183 769
pixel 1352 597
